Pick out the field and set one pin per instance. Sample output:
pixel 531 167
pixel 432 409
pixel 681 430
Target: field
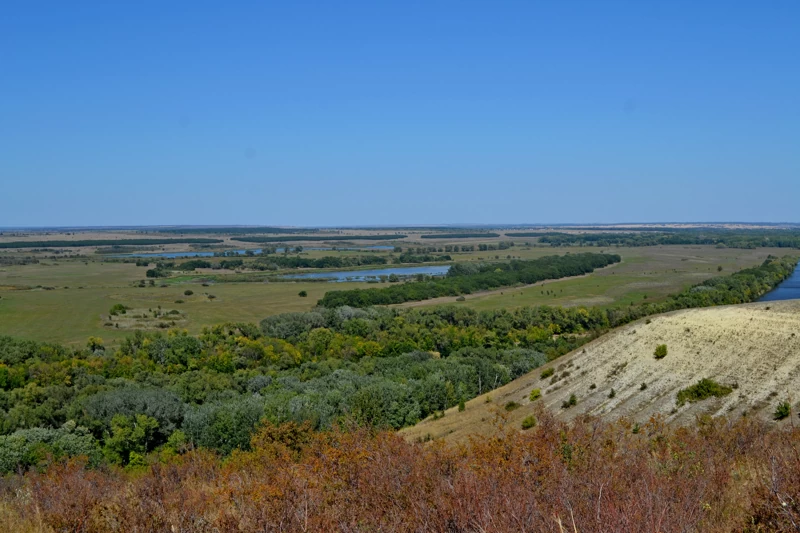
pixel 84 289
pixel 753 348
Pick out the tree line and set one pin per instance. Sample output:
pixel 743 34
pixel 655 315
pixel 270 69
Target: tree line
pixel 322 238
pixel 103 242
pixel 748 239
pixel 466 278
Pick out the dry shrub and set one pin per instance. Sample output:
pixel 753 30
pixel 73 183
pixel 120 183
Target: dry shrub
pixel 715 476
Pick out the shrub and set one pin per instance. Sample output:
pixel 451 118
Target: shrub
pixel 460 299
pixel 510 406
pixel 528 422
pixel 535 394
pixel 302 294
pixel 211 296
pixel 783 410
pixel 572 401
pixel 705 388
pixel 643 386
pixel 547 373
pixel 188 292
pixel 118 309
pixel 661 351
pixel 612 394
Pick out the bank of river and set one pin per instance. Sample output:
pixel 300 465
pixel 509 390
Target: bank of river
pixel 789 289
pixel 175 255
pixel 373 274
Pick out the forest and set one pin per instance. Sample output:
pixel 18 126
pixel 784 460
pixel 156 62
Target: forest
pixel 466 278
pixel 729 238
pixel 160 393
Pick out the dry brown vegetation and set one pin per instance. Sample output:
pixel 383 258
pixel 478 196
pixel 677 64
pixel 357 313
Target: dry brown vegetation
pixel 754 348
pixel 586 475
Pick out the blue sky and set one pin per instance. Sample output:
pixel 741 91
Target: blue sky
pixel 347 113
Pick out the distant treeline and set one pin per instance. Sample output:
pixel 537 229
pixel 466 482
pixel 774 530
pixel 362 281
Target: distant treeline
pixel 322 238
pixel 729 238
pixel 424 258
pixel 460 236
pixel 237 230
pixel 466 278
pixel 102 242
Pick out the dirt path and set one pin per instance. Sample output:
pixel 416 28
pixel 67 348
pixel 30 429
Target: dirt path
pixel 452 299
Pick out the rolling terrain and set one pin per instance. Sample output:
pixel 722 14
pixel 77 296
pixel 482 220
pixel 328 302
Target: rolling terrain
pixel 753 348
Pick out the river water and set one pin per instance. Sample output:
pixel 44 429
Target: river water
pixel 366 275
pixel 789 289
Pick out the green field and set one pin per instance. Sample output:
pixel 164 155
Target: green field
pixel 70 314
pixel 654 272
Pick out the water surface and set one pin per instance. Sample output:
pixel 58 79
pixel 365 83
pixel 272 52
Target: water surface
pixel 789 289
pixel 366 275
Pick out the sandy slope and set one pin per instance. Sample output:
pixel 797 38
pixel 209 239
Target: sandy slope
pixel 755 347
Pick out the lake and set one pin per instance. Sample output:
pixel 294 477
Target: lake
pixel 789 289
pixel 174 255
pixel 365 275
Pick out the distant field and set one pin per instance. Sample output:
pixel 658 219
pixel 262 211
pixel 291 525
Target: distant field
pixel 654 272
pixel 71 315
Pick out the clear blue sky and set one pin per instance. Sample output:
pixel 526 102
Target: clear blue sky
pixel 334 113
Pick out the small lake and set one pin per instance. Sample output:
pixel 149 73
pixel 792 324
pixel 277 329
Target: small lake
pixel 174 255
pixel 789 289
pixel 366 275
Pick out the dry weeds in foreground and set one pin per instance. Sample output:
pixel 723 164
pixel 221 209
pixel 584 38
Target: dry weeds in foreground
pixel 588 475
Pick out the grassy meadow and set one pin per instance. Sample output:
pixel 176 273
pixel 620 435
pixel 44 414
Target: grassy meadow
pixel 68 299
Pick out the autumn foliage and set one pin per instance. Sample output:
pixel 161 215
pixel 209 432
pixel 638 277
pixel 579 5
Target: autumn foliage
pixel 586 476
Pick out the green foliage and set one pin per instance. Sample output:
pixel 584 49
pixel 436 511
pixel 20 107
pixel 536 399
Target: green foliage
pixel 466 278
pixel 130 435
pixel 511 406
pixel 27 448
pixel 783 410
pixel 529 422
pixel 302 294
pixel 547 372
pixel 612 393
pixel 571 402
pixel 535 394
pixel 660 352
pixel 705 388
pixel 118 309
pixel 193 264
pixel 188 292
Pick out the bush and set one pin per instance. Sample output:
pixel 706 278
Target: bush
pixel 510 406
pixel 643 386
pixel 572 401
pixel 661 351
pixel 302 294
pixel 612 394
pixel 118 309
pixel 529 422
pixel 535 394
pixel 460 299
pixel 705 388
pixel 783 410
pixel 188 292
pixel 547 373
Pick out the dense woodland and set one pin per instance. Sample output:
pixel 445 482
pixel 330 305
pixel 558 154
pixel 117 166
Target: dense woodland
pixel 466 278
pixel 729 238
pixel 378 367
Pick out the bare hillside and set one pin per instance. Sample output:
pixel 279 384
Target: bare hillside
pixel 754 348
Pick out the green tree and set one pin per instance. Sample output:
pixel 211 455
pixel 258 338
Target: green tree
pixel 130 435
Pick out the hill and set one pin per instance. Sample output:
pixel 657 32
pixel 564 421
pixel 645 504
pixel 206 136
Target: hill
pixel 752 348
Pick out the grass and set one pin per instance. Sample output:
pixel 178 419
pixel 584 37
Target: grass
pixel 646 273
pixel 71 315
